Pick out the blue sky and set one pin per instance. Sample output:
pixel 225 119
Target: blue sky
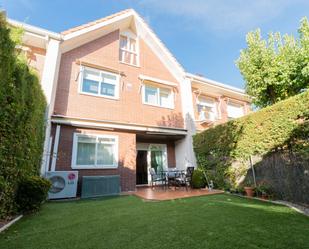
pixel 204 35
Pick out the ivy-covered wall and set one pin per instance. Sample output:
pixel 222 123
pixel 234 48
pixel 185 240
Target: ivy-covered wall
pixel 224 149
pixel 22 110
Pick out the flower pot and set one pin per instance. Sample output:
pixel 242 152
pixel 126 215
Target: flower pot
pixel 264 196
pixel 249 191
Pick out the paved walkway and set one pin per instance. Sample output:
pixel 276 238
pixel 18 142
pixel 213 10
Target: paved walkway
pixel 159 193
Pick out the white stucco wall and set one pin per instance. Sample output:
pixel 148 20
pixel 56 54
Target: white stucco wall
pixel 49 86
pixel 184 148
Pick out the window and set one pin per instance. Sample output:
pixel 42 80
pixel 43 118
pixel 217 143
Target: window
pixel 94 151
pixel 206 108
pixel 234 110
pixel 157 96
pixel 128 51
pixel 99 83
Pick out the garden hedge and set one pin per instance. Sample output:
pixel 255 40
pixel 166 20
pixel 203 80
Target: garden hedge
pixel 22 110
pixel 224 149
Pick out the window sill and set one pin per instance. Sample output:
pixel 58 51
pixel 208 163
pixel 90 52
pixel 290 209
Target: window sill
pixel 128 64
pixel 92 167
pixel 170 108
pixel 99 96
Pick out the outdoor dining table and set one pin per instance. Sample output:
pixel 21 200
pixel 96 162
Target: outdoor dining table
pixel 172 175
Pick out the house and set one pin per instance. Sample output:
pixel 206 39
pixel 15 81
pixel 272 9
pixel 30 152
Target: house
pixel 215 103
pixel 119 102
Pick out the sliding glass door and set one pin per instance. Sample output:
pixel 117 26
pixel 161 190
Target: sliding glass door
pixel 157 160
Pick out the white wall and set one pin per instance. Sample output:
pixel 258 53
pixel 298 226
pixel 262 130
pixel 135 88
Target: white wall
pixel 49 86
pixel 184 148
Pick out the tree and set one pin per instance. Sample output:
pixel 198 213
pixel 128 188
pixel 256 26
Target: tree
pixel 276 68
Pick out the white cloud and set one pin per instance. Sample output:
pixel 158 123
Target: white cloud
pixel 224 15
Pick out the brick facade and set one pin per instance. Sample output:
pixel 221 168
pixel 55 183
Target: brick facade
pixel 36 59
pixel 127 155
pixel 128 108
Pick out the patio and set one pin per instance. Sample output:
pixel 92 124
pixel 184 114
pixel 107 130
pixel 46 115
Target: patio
pixel 160 193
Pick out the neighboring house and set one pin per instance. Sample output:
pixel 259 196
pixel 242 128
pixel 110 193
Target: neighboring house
pixel 119 102
pixel 215 103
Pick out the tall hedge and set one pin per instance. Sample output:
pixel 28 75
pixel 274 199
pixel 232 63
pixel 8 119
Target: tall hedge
pixel 22 110
pixel 281 127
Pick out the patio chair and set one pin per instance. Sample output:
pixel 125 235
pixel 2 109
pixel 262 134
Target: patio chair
pixel 155 177
pixel 171 177
pixel 185 178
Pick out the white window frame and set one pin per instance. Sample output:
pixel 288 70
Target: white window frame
pixel 95 166
pixel 129 35
pixel 213 105
pixel 235 104
pixel 81 78
pixel 172 106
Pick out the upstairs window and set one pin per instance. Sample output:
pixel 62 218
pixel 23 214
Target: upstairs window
pixel 128 51
pixel 235 110
pixel 206 108
pixel 158 96
pixel 99 83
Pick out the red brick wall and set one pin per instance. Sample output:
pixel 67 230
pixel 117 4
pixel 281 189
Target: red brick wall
pixel 129 108
pixel 171 159
pixel 127 155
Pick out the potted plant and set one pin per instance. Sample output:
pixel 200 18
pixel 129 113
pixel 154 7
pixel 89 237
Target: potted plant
pixel 249 189
pixel 240 190
pixel 264 191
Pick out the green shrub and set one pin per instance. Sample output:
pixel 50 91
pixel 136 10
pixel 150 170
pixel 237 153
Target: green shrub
pixel 256 133
pixel 7 192
pixel 22 112
pixel 240 190
pixel 198 179
pixel 283 126
pixel 217 176
pixel 31 193
pixel 263 189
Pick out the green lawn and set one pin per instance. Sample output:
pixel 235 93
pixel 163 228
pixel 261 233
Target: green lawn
pixel 218 221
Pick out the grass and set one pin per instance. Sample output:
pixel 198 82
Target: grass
pixel 218 221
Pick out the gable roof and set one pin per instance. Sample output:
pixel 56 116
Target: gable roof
pixel 86 25
pixel 85 33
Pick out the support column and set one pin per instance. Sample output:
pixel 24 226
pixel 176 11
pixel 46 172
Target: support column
pixel 184 148
pixel 49 86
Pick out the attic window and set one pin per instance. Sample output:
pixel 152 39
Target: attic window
pixel 128 50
